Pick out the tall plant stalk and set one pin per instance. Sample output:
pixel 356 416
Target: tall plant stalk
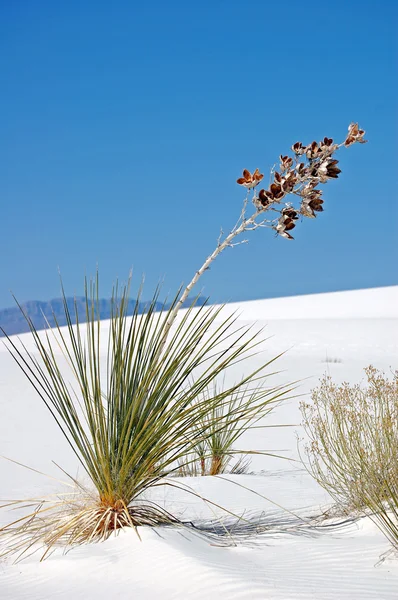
pixel 298 178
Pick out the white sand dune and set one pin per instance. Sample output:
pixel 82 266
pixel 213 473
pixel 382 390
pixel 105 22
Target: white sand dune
pixel 373 303
pixel 340 333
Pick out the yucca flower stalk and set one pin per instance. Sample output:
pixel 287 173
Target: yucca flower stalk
pixel 293 193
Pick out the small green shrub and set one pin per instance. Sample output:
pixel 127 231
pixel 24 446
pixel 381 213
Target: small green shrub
pixel 224 425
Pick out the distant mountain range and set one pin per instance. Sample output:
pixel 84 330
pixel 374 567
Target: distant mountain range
pixel 13 321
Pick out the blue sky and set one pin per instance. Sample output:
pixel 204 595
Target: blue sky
pixel 124 126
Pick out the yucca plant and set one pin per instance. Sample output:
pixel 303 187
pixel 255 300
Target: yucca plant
pixel 353 446
pixel 136 424
pixel 132 421
pixel 224 425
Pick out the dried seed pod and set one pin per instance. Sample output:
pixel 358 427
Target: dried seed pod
pixel 354 135
pixel 327 146
pixel 298 148
pixel 282 229
pixel 313 151
pixel 310 206
pixel 286 162
pixel 301 170
pixel 248 180
pixel 276 191
pixel 265 197
pixel 289 213
pixel 289 181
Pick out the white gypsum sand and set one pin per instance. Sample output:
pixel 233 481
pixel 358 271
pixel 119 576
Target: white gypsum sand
pixel 340 333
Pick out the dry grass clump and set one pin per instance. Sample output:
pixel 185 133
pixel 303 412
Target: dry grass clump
pixel 71 519
pixel 353 446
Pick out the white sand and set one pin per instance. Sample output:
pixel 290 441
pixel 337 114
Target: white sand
pixel 355 328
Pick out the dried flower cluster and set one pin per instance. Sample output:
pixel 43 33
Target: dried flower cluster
pixel 299 176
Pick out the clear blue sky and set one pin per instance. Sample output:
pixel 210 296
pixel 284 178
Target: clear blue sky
pixel 124 126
